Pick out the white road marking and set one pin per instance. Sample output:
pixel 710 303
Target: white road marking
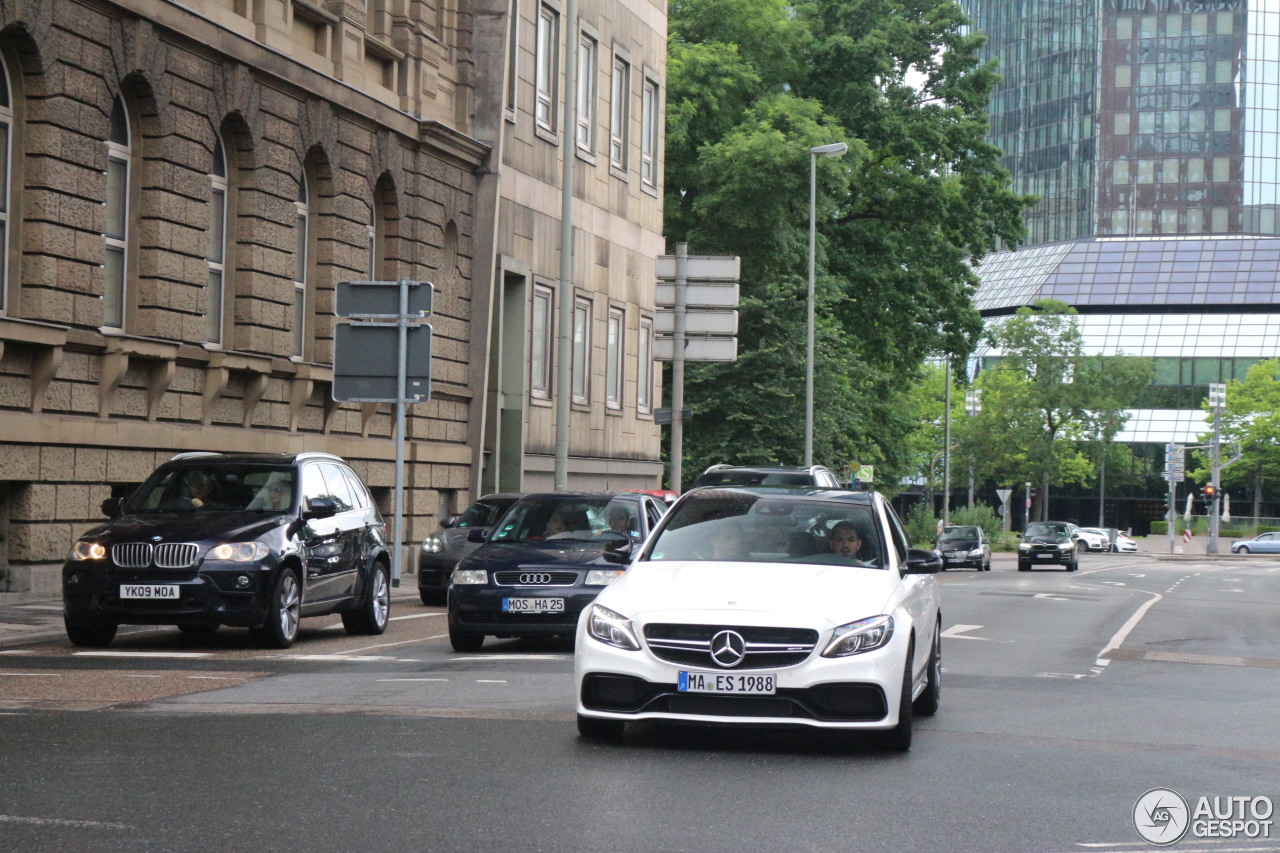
pixel 553 657
pixel 415 616
pixel 491 681
pixel 1051 596
pixel 1120 636
pixel 53 821
pixel 185 655
pixel 957 632
pixel 341 657
pixel 1072 675
pixel 412 679
pixel 31 674
pixel 16 652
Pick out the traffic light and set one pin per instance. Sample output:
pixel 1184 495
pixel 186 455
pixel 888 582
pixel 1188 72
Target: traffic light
pixel 1209 492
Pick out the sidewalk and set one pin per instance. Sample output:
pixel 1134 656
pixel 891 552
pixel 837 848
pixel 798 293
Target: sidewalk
pixel 27 619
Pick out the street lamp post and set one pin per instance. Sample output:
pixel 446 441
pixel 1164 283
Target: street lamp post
pixel 835 149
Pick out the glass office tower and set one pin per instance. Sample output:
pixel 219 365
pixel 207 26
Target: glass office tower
pixel 1149 130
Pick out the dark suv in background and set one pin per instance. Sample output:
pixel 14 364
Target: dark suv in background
pixel 752 475
pixel 1049 542
pixel 251 540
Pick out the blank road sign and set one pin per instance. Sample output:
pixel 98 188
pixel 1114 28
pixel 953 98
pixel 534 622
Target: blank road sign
pixel 382 298
pixel 365 363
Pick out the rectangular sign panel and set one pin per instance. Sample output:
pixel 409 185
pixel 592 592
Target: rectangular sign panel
pixel 698 295
pixel 700 268
pixel 365 367
pixel 381 299
pixel 697 322
pixel 696 349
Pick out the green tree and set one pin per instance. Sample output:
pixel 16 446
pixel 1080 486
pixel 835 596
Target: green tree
pixel 1250 418
pixel 1045 402
pixel 752 85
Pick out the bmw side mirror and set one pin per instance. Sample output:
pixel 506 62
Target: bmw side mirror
pixel 618 551
pixel 112 507
pixel 922 562
pixel 321 508
pixel 478 534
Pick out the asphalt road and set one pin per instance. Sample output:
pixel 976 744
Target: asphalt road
pixel 1066 697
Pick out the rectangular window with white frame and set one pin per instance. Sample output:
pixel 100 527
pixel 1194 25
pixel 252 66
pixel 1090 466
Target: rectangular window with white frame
pixel 588 62
pixel 649 131
pixel 513 55
pixel 547 69
pixel 581 351
pixel 613 352
pixel 644 367
pixel 540 330
pixel 619 113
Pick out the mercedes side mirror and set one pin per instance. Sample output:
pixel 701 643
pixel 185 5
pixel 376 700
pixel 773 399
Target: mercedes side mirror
pixel 923 562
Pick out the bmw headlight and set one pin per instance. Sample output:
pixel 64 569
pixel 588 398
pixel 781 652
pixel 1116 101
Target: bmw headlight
pixel 432 545
pixel 858 637
pixel 612 629
pixel 603 577
pixel 1024 546
pixel 239 552
pixel 87 549
pixel 1066 546
pixel 462 577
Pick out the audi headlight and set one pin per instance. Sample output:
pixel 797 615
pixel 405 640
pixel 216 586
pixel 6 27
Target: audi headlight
pixel 612 629
pixel 462 577
pixel 858 637
pixel 603 577
pixel 432 545
pixel 87 549
pixel 239 552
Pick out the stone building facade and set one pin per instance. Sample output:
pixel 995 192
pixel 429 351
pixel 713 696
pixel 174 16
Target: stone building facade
pixel 184 186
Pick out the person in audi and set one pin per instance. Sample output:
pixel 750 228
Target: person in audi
pixel 841 631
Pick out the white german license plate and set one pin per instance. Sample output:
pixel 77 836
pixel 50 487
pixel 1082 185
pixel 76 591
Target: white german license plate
pixel 755 683
pixel 533 605
pixel 1047 556
pixel 148 590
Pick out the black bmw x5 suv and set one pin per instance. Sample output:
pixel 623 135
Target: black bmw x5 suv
pixel 249 540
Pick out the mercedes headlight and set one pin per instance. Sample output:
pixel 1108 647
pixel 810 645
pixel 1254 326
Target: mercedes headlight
pixel 239 552
pixel 463 577
pixel 87 549
pixel 612 629
pixel 857 637
pixel 976 552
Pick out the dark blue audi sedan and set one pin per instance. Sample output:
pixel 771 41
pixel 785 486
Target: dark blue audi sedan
pixel 549 558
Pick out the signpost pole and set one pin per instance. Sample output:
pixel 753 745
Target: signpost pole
pixel 402 323
pixel 677 368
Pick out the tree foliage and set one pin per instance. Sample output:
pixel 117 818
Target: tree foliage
pixel 752 86
pixel 1045 402
pixel 1250 418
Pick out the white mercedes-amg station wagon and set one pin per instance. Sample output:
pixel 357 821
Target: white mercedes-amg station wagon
pixel 758 606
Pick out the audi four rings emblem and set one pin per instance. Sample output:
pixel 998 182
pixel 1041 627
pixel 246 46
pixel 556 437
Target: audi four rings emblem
pixel 728 648
pixel 535 577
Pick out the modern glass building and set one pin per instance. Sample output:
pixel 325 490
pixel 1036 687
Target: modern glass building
pixel 1149 129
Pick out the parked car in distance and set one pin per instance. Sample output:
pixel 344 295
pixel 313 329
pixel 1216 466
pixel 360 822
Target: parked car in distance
pixel 1123 542
pixel 759 606
pixel 1049 542
pixel 1095 538
pixel 750 475
pixel 547 560
pixel 1263 543
pixel 441 551
pixel 252 540
pixel 964 546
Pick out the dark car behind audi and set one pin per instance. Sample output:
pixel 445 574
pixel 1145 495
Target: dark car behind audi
pixel 249 540
pixel 547 560
pixel 442 550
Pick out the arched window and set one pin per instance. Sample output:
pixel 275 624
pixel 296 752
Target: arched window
pixel 6 145
pixel 302 260
pixel 216 296
pixel 119 163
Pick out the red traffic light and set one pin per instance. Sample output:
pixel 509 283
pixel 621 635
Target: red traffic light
pixel 1209 492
